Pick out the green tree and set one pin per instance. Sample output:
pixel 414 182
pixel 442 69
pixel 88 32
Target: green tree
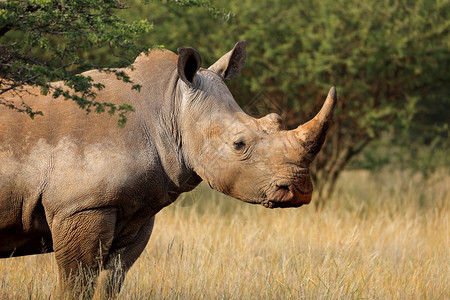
pixel 42 41
pixel 389 60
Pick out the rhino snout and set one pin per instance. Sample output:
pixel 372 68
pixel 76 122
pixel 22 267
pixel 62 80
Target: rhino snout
pixel 292 193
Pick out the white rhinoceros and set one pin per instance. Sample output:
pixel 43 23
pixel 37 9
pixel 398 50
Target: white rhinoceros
pixel 80 186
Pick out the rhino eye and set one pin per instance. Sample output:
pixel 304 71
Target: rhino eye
pixel 238 145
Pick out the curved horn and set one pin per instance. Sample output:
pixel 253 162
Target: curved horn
pixel 312 134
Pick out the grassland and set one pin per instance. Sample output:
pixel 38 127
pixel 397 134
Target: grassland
pixel 383 236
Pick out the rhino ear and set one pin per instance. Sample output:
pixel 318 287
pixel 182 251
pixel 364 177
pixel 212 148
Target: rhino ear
pixel 232 63
pixel 189 62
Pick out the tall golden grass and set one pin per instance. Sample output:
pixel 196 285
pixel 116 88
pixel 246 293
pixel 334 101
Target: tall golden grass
pixel 383 236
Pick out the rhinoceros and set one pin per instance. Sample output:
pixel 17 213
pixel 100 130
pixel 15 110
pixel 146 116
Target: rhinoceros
pixel 80 186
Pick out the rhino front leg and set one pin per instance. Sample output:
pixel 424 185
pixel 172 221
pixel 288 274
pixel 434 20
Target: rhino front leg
pixel 123 254
pixel 81 243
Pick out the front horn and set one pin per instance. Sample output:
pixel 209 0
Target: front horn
pixel 312 134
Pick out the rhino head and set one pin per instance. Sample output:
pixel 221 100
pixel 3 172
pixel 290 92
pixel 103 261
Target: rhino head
pixel 254 160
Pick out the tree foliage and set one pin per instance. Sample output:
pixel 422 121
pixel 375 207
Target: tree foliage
pixel 389 60
pixel 42 41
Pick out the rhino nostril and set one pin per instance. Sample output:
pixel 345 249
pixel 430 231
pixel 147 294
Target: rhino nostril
pixel 283 187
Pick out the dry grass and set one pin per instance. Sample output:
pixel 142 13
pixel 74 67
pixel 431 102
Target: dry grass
pixel 380 237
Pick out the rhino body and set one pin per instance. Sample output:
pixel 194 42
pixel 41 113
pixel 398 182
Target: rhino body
pixel 80 186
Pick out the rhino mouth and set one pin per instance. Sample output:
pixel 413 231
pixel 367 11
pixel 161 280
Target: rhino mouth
pixel 272 204
pixel 292 193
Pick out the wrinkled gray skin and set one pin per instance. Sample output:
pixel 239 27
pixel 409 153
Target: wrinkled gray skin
pixel 78 185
